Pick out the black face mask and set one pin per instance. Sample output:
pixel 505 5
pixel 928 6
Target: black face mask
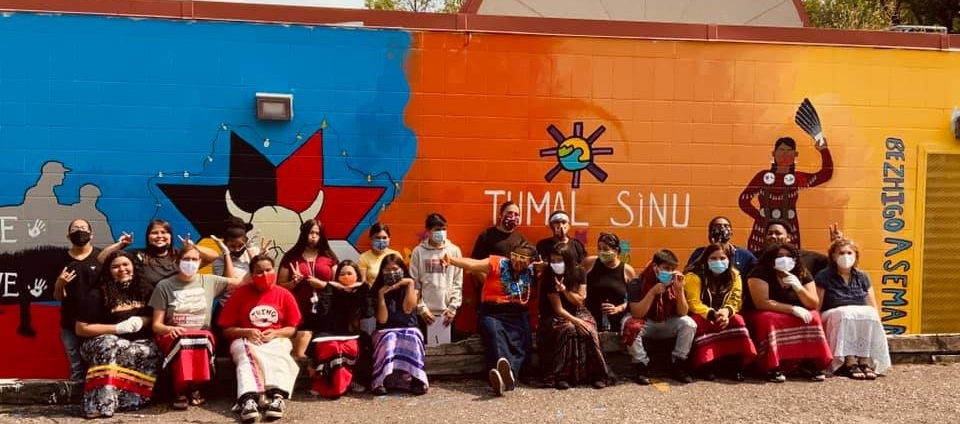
pixel 720 234
pixel 80 238
pixel 236 254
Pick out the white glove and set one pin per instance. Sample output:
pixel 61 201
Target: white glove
pixel 130 325
pixel 802 313
pixel 792 281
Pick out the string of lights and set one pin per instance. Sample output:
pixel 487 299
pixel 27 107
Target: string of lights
pixel 330 134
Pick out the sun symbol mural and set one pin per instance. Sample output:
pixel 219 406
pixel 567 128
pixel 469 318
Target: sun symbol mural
pixel 575 153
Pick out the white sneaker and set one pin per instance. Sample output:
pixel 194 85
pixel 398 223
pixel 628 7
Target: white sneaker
pixel 275 408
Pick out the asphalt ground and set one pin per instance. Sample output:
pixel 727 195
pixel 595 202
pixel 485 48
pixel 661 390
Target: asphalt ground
pixel 907 394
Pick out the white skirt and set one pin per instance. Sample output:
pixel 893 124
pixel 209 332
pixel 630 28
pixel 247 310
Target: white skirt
pixel 856 331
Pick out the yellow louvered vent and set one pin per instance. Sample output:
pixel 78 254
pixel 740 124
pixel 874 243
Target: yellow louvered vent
pixel 941 245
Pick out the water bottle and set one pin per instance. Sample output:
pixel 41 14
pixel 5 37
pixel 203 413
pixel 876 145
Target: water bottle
pixel 604 323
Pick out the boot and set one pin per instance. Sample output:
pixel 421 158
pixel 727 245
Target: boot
pixel 640 375
pixel 681 370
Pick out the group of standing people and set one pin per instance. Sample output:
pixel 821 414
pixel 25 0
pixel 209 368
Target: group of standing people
pixel 133 318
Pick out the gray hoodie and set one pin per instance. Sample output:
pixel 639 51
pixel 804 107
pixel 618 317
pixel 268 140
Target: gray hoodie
pixel 442 286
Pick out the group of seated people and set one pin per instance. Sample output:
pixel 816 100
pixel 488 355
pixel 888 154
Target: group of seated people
pixel 137 321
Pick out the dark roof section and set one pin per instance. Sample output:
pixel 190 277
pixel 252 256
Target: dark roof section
pixel 264 13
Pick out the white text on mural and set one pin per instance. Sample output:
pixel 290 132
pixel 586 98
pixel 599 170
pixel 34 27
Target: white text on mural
pixel 8 284
pixel 896 263
pixel 665 210
pixel 6 224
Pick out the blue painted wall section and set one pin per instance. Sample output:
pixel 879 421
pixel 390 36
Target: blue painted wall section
pixel 94 109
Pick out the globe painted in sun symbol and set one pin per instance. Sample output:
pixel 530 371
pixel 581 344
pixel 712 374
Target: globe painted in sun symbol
pixel 575 153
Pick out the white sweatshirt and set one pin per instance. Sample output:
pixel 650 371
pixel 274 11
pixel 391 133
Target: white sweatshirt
pixel 441 287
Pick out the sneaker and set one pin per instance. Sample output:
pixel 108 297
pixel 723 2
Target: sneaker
pixel 640 374
pixel 275 408
pixel 599 384
pixel 776 376
pixel 496 382
pixel 562 385
pixel 506 373
pixel 249 411
pixel 681 372
pixel 379 391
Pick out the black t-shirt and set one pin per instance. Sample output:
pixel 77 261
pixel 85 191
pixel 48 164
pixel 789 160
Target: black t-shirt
pixel 157 268
pixel 93 310
pixel 549 286
pixel 775 291
pixel 492 241
pixel 337 311
pixel 86 271
pixel 545 246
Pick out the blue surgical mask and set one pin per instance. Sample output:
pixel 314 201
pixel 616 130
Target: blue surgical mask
pixel 381 244
pixel 718 267
pixel 438 236
pixel 665 277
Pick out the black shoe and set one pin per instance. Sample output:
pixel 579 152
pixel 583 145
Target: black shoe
pixel 249 411
pixel 506 373
pixel 379 391
pixel 418 388
pixel 738 376
pixel 275 408
pixel 681 371
pixel 640 374
pixel 496 382
pixel 599 384
pixel 562 385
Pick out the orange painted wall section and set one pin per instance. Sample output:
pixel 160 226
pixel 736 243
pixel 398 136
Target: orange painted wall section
pixel 689 125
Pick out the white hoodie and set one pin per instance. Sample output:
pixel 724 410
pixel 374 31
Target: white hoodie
pixel 441 287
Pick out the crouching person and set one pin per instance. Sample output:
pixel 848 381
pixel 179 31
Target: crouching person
pixel 658 309
pixel 259 319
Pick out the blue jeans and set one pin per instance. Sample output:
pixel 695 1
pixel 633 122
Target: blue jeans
pixel 71 345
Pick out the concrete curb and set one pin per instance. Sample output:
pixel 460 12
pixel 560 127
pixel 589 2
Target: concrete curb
pixel 464 359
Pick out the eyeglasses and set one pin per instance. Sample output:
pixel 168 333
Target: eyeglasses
pixel 520 258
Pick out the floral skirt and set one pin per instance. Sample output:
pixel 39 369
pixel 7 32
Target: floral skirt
pixel 121 374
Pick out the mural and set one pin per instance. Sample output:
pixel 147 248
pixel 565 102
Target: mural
pixel 129 120
pixel 778 188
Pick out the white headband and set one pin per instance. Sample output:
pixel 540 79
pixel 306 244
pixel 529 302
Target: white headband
pixel 559 216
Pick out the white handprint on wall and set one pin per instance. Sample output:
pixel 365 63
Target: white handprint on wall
pixel 39 285
pixel 36 228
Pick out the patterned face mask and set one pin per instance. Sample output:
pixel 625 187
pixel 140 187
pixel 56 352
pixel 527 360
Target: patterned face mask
pixel 720 233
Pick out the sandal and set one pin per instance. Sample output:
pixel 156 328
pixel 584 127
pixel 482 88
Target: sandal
pixel 868 373
pixel 180 404
pixel 196 399
pixel 854 372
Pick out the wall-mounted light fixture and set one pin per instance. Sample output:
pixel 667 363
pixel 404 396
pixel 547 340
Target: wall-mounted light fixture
pixel 274 106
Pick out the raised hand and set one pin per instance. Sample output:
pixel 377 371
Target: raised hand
pixel 126 239
pixel 223 246
pixel 186 241
pixel 835 232
pixel 66 276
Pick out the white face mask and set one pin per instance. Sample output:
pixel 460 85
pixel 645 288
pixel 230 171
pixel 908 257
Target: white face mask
pixel 558 267
pixel 846 261
pixel 189 268
pixel 784 264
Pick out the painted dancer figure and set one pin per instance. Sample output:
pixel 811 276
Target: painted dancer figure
pixel 778 188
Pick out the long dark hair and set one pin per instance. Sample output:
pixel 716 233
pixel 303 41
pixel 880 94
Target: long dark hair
pixel 573 274
pixel 769 257
pixel 701 268
pixel 348 263
pixel 150 252
pixel 390 259
pixel 112 291
pixel 792 144
pixel 323 245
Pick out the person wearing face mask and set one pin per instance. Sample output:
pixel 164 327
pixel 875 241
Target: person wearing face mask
pixel 340 351
pixel 370 262
pixel 779 232
pixel 114 323
pixel 658 310
pixel 713 289
pixel 498 240
pixel 181 322
pixel 76 279
pixel 504 319
pixel 607 277
pixel 721 231
pixel 786 327
pixel 236 245
pixel 259 320
pixel 158 258
pixel 398 352
pixel 559 223
pixel 850 318
pixel 441 292
pixel 568 339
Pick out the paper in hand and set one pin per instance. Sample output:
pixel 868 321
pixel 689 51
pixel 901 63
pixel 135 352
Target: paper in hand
pixel 437 333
